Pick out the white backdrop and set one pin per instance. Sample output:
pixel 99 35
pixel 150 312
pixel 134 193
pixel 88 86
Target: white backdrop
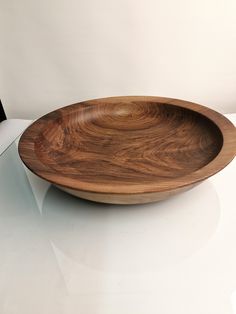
pixel 56 52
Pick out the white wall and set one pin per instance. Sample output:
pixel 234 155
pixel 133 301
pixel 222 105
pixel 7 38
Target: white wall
pixel 56 52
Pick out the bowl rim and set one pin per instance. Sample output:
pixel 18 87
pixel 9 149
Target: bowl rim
pixel 222 159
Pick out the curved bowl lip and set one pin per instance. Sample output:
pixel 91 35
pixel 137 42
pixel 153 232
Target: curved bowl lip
pixel 224 157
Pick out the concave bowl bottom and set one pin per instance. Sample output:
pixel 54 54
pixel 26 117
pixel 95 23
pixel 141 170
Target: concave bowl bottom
pixel 127 143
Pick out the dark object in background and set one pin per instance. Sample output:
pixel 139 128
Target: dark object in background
pixel 2 113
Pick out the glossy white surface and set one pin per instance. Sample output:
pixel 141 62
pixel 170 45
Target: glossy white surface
pixel 10 130
pixel 63 255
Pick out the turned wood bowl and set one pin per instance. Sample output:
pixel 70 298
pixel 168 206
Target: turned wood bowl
pixel 128 150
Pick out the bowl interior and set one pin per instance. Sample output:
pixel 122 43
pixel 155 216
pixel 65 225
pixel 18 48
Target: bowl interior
pixel 128 142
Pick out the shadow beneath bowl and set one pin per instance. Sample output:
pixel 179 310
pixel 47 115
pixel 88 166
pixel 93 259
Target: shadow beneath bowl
pixel 133 238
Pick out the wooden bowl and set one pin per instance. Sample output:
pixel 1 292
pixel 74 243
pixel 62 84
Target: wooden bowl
pixel 128 150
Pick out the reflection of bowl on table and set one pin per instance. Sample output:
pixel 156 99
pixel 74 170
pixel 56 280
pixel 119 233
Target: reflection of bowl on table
pixel 128 149
pixel 129 239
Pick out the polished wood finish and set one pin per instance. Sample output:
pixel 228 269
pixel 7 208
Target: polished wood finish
pixel 133 149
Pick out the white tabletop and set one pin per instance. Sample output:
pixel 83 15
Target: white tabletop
pixel 10 130
pixel 63 255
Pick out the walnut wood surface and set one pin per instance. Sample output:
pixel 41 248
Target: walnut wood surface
pixel 132 149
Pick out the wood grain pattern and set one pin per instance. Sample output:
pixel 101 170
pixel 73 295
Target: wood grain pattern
pixel 133 149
